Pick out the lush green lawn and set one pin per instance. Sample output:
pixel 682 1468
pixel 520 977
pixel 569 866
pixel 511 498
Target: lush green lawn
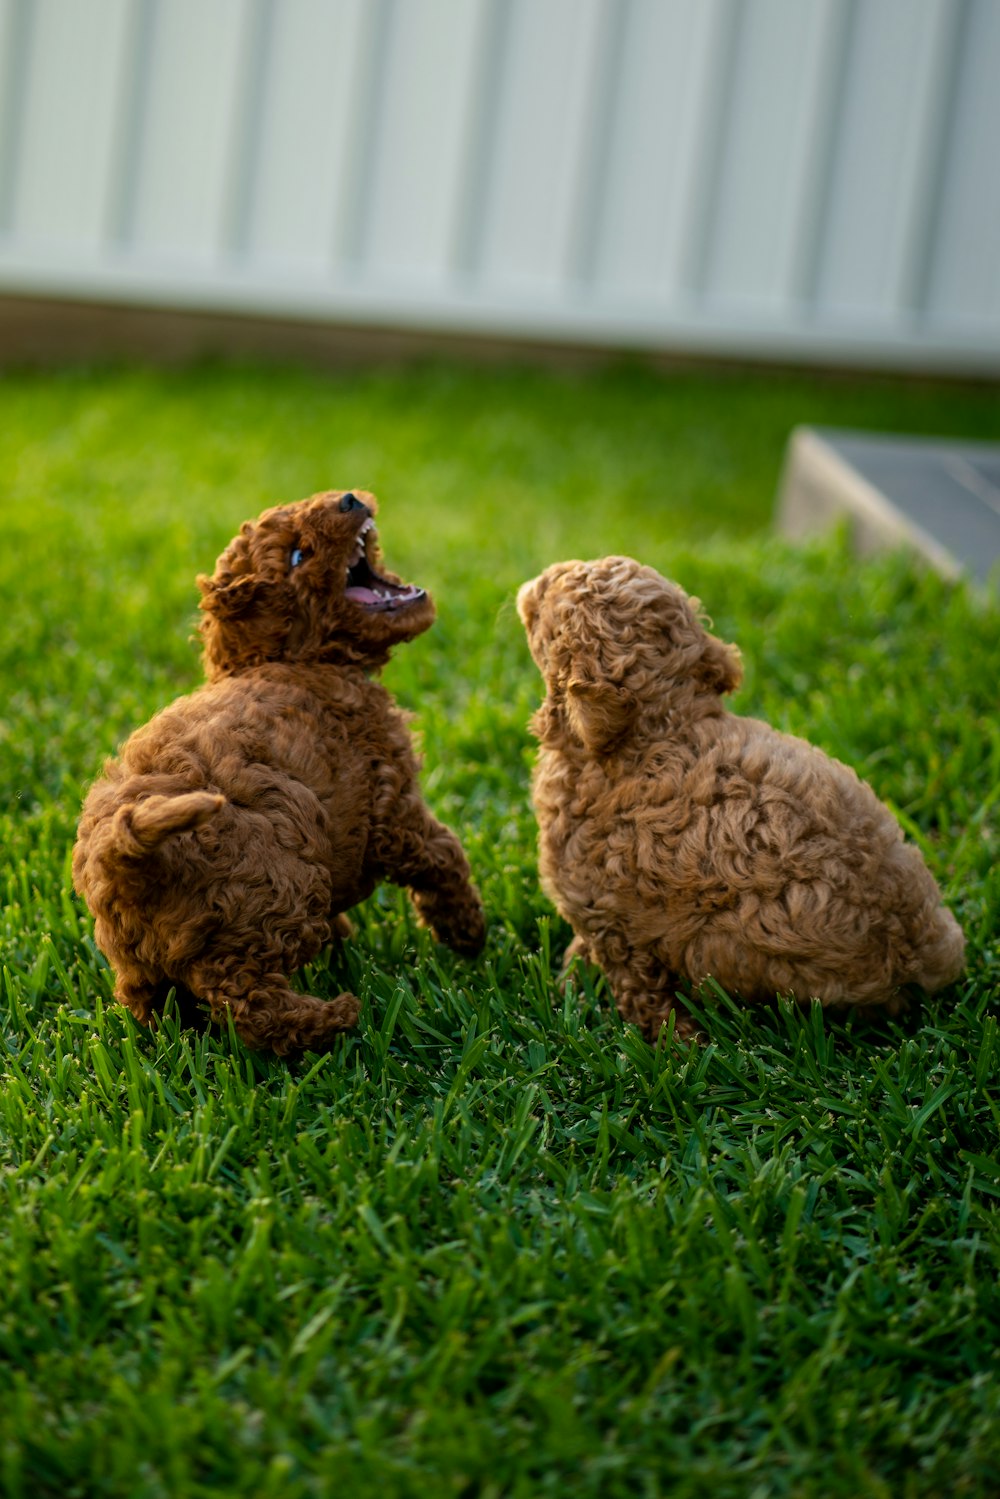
pixel 494 1244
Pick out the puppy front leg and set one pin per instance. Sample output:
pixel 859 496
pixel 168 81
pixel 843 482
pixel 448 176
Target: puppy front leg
pixel 266 1011
pixel 421 853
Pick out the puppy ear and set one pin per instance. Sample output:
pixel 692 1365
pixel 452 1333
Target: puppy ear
pixel 243 623
pixel 599 713
pixel 720 667
pixel 235 599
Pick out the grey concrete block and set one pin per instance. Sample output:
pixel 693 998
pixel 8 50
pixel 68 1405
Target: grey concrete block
pixel 938 497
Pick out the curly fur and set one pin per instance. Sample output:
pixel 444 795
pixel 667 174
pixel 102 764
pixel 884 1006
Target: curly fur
pixel 220 849
pixel 681 841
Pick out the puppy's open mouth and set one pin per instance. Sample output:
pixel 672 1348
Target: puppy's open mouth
pixel 367 588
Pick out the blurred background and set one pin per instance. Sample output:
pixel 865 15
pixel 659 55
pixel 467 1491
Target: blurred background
pixel 795 180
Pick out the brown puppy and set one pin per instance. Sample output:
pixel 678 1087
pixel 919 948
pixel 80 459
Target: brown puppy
pixel 680 841
pixel 220 849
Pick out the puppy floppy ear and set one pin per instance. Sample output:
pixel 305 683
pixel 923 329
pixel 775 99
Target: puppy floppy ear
pixel 236 599
pixel 243 623
pixel 599 713
pixel 720 667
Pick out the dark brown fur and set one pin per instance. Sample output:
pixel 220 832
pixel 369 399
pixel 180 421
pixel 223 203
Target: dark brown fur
pixel 681 841
pixel 220 849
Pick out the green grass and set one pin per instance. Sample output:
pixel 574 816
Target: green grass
pixel 494 1244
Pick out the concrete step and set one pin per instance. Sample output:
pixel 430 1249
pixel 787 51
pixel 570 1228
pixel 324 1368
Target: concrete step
pixel 939 497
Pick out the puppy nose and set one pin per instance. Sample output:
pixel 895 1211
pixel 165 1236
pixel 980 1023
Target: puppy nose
pixel 350 501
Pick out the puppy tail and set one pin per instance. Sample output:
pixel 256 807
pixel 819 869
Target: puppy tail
pixel 143 826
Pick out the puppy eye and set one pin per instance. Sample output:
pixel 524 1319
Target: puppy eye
pixel 297 558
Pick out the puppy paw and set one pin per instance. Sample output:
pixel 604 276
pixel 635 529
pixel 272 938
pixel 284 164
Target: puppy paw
pixel 465 934
pixel 343 1011
pixel 318 1024
pixel 341 928
pixel 456 919
pixel 654 1025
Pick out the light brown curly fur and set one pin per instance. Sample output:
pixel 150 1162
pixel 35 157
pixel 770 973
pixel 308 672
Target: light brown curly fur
pixel 681 841
pixel 221 848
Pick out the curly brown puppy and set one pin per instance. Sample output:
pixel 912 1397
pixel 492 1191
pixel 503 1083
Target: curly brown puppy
pixel 681 841
pixel 221 848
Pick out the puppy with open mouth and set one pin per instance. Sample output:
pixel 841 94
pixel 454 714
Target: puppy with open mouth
pixel 222 846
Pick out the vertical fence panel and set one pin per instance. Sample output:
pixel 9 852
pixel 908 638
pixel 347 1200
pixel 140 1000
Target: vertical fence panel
pixel 15 42
pixel 535 166
pixel 812 209
pixel 424 112
pixel 711 135
pixel 766 160
pixel 891 78
pixel 67 121
pixel 964 279
pixel 653 148
pixel 182 199
pixel 309 101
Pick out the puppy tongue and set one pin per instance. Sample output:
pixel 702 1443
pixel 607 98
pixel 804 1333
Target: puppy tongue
pixel 360 595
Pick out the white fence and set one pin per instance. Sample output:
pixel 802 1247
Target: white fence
pixel 813 179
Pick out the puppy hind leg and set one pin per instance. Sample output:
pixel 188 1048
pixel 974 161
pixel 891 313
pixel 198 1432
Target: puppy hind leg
pixel 268 1013
pixel 647 996
pixel 577 955
pixel 578 948
pixel 146 999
